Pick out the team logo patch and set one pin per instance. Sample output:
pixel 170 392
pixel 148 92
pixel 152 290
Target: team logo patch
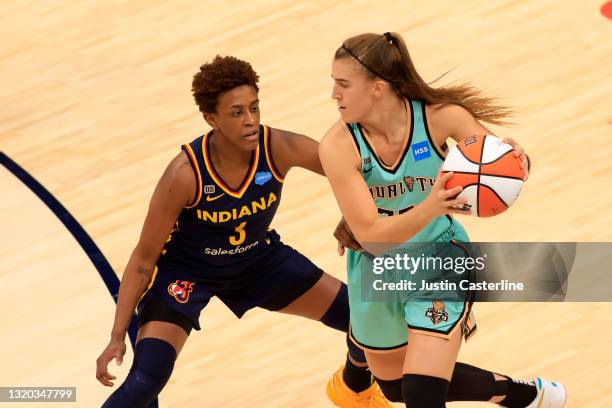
pixel 262 177
pixel 180 290
pixel 367 164
pixel 409 183
pixel 209 189
pixel 421 150
pixel 437 313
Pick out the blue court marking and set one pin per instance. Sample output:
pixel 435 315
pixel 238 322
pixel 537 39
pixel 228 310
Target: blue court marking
pixel 82 237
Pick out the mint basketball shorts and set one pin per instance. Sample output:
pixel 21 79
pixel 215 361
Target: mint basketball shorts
pixel 380 320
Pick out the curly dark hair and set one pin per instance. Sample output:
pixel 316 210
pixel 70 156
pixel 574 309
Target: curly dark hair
pixel 218 76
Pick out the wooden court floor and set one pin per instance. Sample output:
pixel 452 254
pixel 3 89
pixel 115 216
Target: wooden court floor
pixel 96 101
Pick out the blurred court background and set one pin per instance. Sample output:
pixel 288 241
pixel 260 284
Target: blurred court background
pixel 95 101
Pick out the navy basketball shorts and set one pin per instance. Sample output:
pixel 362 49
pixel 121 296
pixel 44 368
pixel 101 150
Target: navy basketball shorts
pixel 275 276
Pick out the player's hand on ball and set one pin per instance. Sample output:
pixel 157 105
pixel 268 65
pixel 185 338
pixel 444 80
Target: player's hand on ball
pixel 345 238
pixel 115 349
pixel 520 153
pixel 441 201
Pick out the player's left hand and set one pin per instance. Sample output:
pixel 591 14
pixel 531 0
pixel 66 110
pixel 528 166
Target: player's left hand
pixel 520 153
pixel 345 238
pixel 114 350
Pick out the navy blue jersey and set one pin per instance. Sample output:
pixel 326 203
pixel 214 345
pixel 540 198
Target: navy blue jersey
pixel 223 229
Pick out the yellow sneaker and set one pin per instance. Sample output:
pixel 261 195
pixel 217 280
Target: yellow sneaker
pixel 342 396
pixel 378 400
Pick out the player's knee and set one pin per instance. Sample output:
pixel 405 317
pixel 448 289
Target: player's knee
pixel 150 371
pixel 392 389
pixel 137 391
pixel 355 353
pixel 337 315
pixel 424 391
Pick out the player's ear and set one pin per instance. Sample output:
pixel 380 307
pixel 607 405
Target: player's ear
pixel 211 119
pixel 379 88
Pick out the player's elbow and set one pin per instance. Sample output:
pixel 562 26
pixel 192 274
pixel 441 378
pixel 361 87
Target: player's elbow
pixel 361 235
pixel 145 258
pixel 373 239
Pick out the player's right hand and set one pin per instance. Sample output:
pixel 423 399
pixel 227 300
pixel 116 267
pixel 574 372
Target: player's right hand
pixel 346 238
pixel 114 350
pixel 441 201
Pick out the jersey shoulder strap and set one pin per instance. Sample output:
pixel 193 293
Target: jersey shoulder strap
pixel 421 134
pixel 195 154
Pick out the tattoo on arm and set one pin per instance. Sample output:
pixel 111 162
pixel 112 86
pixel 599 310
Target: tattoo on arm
pixel 145 274
pixel 144 270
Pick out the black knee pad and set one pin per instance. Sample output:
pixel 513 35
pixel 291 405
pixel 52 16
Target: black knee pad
pixel 357 378
pixel 337 315
pixel 392 389
pixel 150 371
pixel 355 352
pixel 423 391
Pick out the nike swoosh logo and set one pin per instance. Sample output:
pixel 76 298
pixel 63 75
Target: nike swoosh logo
pixel 209 198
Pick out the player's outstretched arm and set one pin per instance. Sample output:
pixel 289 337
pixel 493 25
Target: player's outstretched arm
pixel 174 191
pixel 294 150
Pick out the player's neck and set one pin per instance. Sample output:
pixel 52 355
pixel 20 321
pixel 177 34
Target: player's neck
pixel 388 119
pixel 226 154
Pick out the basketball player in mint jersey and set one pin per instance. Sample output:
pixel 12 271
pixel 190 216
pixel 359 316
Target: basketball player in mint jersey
pixel 206 234
pixel 382 160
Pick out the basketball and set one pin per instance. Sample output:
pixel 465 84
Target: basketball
pixel 491 176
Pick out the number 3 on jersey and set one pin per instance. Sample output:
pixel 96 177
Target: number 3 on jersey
pixel 239 239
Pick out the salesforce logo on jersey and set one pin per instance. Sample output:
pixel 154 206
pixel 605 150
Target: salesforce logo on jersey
pixel 421 150
pixel 262 177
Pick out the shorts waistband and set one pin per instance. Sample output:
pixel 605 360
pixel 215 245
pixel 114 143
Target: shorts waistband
pixel 415 248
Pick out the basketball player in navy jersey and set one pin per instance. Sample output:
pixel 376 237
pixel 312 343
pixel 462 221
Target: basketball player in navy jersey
pixel 206 234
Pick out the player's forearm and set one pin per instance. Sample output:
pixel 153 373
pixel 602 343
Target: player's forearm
pixel 395 229
pixel 296 150
pixel 134 282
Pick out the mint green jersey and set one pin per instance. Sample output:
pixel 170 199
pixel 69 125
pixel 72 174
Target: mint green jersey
pixel 398 189
pixel 382 325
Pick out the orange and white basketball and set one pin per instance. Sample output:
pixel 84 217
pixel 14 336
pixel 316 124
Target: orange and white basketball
pixel 488 171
